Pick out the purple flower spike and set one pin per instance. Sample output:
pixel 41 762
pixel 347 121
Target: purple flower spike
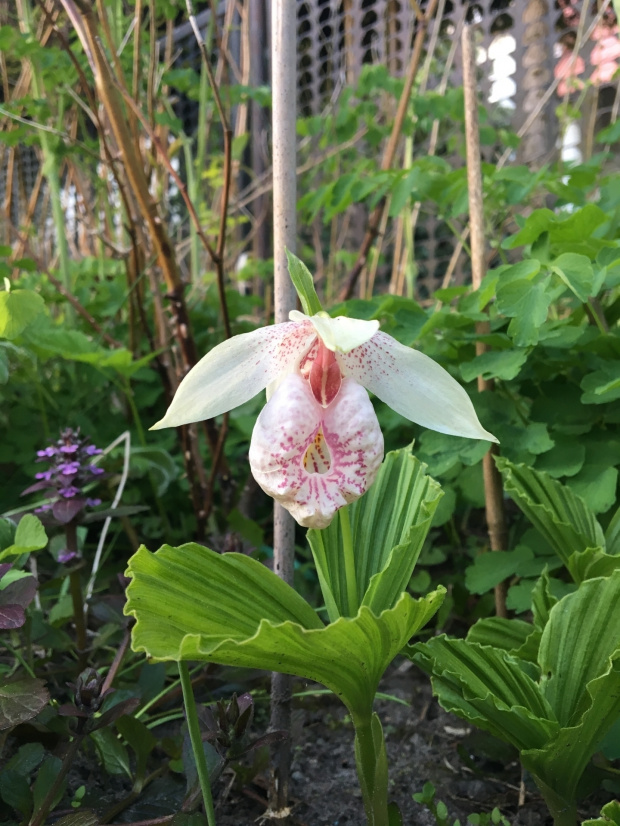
pixel 69 492
pixel 66 556
pixel 69 471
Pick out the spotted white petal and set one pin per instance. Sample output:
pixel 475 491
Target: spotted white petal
pixel 236 370
pixel 314 460
pixel 413 385
pixel 340 334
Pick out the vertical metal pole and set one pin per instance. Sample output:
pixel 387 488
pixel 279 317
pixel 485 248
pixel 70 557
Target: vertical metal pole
pixel 284 99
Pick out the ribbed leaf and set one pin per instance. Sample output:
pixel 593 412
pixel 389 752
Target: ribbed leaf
pixel 562 517
pixel 562 762
pixel 191 603
pixel 592 562
pixel 612 534
pixel 489 688
pixel 506 634
pixel 580 638
pixel 388 525
pixel 542 601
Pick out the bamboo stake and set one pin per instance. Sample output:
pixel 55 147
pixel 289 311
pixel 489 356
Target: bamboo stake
pixel 494 501
pixel 283 27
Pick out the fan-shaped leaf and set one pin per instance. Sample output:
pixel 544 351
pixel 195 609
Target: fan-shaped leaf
pixel 388 526
pixel 192 603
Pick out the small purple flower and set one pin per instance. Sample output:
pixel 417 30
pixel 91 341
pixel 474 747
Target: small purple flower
pixel 69 492
pixel 96 471
pixel 69 468
pixel 43 509
pixel 44 474
pixel 47 453
pixel 69 448
pixel 91 450
pixel 92 503
pixel 66 556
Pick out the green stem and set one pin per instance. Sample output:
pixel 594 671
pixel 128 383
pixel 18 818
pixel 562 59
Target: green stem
pixel 77 597
pixel 196 740
pixel 372 767
pixel 39 817
pixel 562 810
pixel 349 561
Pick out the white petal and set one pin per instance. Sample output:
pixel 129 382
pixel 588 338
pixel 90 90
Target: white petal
pixel 340 334
pixel 236 370
pixel 413 385
pixel 287 429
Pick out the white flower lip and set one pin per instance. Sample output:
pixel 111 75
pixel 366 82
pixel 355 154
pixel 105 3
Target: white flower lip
pixel 287 427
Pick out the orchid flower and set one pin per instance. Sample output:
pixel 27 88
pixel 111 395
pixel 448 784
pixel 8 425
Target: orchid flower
pixel 317 444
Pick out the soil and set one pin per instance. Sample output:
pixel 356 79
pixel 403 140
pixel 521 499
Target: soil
pixel 471 772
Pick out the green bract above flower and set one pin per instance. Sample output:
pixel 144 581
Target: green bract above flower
pixel 317 443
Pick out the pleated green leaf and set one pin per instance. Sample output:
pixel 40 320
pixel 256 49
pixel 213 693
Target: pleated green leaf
pixel 558 718
pixel 489 688
pixel 593 562
pixel 506 634
pixel 191 603
pixel 578 643
pixel 388 525
pixel 562 762
pixel 562 517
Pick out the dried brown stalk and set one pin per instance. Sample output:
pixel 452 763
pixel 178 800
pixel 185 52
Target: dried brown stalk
pixel 493 493
pixel 390 150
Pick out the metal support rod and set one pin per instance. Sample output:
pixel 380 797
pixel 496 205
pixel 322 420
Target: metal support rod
pixel 284 95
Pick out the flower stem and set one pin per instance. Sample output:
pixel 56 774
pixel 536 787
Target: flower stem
pixel 77 598
pixel 196 740
pixel 349 561
pixel 371 764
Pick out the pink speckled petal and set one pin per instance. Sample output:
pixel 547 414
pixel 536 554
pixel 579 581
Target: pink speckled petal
pixel 413 385
pixel 345 437
pixel 236 370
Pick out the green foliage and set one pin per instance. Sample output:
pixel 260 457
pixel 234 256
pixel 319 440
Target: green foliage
pixel 276 629
pixel 554 708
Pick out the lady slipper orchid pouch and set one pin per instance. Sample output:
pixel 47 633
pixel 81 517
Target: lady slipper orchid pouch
pixel 317 444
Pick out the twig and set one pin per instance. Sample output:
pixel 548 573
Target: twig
pixel 221 241
pixel 116 662
pixel 493 494
pixel 79 308
pixel 390 150
pixel 124 437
